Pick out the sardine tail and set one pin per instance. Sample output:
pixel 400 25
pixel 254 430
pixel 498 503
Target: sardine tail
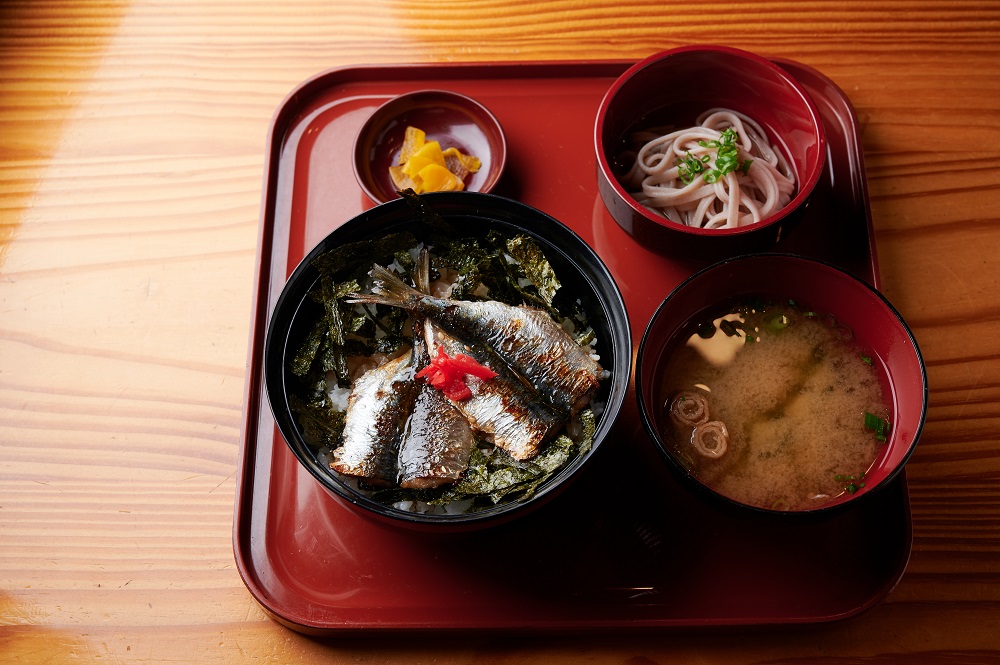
pixel 387 289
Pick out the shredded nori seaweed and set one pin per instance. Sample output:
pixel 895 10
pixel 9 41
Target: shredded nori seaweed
pixel 322 424
pixel 498 475
pixel 535 266
pixel 362 254
pixel 494 477
pixel 343 330
pixel 513 269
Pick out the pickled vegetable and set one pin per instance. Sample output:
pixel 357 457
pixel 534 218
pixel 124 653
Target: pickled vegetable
pixel 424 167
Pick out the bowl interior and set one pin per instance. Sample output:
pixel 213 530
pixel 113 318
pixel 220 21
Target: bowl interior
pixel 582 273
pixel 878 329
pixel 454 120
pixel 672 88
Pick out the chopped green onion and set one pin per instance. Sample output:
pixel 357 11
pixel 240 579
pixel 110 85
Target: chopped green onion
pixel 853 482
pixel 689 167
pixel 866 359
pixel 880 426
pixel 726 159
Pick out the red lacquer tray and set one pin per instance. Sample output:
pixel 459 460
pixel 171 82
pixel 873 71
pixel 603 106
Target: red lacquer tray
pixel 625 546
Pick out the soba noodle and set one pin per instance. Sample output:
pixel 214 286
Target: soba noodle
pixel 668 173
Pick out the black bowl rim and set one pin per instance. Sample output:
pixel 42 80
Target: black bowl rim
pixel 474 203
pixel 804 190
pixel 721 499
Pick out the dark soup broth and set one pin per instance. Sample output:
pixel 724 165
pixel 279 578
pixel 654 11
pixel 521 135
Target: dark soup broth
pixel 774 406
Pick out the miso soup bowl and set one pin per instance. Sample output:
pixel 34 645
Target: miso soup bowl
pixel 843 300
pixel 584 277
pixel 671 89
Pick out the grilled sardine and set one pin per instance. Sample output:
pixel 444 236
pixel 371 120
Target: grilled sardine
pixel 528 340
pixel 377 411
pixel 503 409
pixel 438 439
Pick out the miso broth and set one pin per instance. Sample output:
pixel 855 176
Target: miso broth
pixel 774 406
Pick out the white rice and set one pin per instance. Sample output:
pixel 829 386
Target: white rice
pixel 338 396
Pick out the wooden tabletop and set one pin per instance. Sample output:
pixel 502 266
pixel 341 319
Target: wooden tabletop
pixel 132 148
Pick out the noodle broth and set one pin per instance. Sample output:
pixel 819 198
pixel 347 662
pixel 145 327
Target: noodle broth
pixel 773 406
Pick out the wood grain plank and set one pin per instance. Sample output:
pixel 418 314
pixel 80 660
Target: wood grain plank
pixel 132 137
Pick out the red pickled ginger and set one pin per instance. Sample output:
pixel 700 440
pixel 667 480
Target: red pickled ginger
pixel 448 374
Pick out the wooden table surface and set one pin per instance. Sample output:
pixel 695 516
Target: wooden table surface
pixel 132 142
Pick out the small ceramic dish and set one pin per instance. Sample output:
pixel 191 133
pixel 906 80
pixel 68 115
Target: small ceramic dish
pixel 675 90
pixel 794 410
pixel 451 119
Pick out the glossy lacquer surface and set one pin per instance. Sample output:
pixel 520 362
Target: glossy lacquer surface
pixel 625 545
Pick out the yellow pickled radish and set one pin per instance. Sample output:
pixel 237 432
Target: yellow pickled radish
pixel 400 180
pixel 468 161
pixel 429 153
pixel 424 167
pixel 436 178
pixel 413 140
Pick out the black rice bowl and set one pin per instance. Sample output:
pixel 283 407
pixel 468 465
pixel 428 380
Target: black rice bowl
pixel 431 219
